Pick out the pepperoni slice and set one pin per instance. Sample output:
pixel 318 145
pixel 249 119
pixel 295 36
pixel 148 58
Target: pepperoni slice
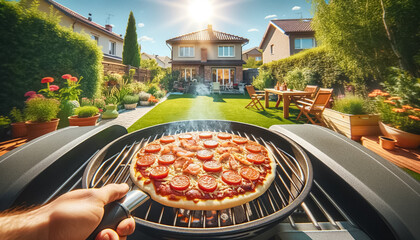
pixel 205 155
pixel 167 139
pixel 255 148
pixel 152 148
pixel 205 135
pixel 211 144
pixel 249 173
pixel 240 140
pixel 231 177
pixel 212 166
pixel 180 182
pixel 159 172
pixel 146 160
pixel 207 183
pixel 185 136
pixel 255 158
pixel 167 159
pixel 224 136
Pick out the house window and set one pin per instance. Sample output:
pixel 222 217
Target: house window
pixel 226 51
pixel 112 46
pixel 94 37
pixel 257 58
pixel 304 43
pixel 223 75
pixel 187 74
pixel 272 49
pixel 186 51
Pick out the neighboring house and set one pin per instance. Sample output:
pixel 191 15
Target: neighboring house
pixel 284 38
pixel 110 42
pixel 252 53
pixel 208 54
pixel 162 61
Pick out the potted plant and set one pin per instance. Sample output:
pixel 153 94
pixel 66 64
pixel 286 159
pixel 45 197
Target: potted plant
pixel 85 116
pixel 42 116
pixel 144 98
pixel 399 120
pixel 18 123
pixel 350 117
pixel 130 101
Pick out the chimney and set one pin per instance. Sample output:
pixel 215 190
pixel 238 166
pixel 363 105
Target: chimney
pixel 90 17
pixel 108 27
pixel 209 27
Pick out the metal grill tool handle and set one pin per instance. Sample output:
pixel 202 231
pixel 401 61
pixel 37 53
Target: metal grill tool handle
pixel 119 210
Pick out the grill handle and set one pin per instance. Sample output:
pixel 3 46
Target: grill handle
pixel 117 211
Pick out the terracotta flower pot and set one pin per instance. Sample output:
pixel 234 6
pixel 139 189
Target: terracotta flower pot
pixel 111 112
pixel 36 129
pixel 88 121
pixel 18 129
pixel 387 143
pixel 144 103
pixel 130 106
pixel 404 139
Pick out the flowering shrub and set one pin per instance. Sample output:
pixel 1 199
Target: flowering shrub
pixel 394 112
pixel 152 100
pixel 72 91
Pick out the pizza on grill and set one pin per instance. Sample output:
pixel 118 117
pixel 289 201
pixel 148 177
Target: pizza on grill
pixel 203 170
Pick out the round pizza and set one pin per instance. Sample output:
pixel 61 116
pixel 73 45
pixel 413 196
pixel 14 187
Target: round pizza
pixel 203 170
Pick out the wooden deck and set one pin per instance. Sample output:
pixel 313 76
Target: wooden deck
pixel 405 158
pixel 9 145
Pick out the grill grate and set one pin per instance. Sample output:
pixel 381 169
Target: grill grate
pixel 286 187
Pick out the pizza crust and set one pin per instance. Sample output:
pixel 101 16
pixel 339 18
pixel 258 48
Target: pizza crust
pixel 205 204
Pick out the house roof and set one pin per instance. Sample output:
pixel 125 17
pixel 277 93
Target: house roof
pixel 207 35
pixel 85 20
pixel 250 50
pixel 289 26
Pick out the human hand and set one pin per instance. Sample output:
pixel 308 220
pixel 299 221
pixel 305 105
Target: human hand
pixel 76 214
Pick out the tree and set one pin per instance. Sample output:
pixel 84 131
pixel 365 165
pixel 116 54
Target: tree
pixel 131 53
pixel 368 37
pixel 252 63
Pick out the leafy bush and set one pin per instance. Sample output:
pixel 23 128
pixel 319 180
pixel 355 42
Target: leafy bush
pixel 324 71
pixel 4 121
pixel 402 84
pixel 298 78
pixel 143 96
pixel 351 104
pixel 130 99
pixel 86 102
pixel 153 88
pixel 265 79
pixel 99 103
pixel 34 46
pixel 42 109
pixel 16 115
pixel 252 63
pixel 169 79
pixel 86 111
pixel 159 94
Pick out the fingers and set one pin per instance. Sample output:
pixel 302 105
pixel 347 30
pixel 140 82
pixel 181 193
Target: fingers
pixel 111 192
pixel 107 234
pixel 126 227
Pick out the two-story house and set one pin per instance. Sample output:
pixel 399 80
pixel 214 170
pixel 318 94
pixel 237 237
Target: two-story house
pixel 110 42
pixel 252 53
pixel 208 54
pixel 286 37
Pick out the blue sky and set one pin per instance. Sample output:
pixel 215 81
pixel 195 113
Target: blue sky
pixel 160 20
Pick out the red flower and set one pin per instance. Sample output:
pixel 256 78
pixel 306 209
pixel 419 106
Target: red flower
pixel 384 94
pixel 100 110
pixel 414 117
pixel 390 102
pixel 47 80
pixel 372 94
pixel 416 109
pixel 54 88
pixel 74 79
pixel 29 94
pixel 34 96
pixel 394 98
pixel 398 110
pixel 408 107
pixel 66 76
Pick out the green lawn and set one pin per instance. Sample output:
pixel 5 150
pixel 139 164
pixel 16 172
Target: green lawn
pixel 223 107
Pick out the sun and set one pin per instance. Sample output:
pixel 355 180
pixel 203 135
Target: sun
pixel 200 10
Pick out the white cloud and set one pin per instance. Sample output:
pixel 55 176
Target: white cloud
pixel 140 25
pixel 270 16
pixel 296 8
pixel 253 30
pixel 112 25
pixel 146 39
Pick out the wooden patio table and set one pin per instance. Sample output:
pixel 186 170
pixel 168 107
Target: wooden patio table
pixel 287 97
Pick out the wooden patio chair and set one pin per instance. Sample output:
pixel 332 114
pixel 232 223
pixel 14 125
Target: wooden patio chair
pixel 256 96
pixel 315 107
pixel 309 88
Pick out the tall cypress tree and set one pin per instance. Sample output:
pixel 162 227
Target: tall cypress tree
pixel 131 55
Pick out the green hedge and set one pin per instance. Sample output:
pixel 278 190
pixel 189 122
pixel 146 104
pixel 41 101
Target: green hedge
pixel 35 46
pixel 323 70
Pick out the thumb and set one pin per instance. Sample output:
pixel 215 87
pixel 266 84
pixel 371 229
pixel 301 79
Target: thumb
pixel 112 192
